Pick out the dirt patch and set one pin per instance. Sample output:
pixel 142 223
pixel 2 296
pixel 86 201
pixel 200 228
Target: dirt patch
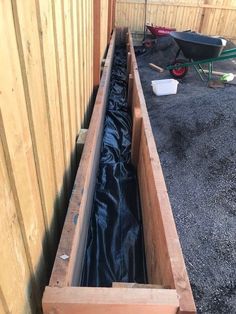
pixel 195 133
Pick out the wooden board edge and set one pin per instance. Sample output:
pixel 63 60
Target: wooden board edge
pixel 80 201
pixel 175 255
pixel 71 300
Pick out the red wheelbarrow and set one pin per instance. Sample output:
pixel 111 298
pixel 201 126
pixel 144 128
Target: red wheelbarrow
pixel 156 31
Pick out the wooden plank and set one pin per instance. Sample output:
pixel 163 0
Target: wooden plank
pixel 151 236
pixel 92 95
pixel 76 300
pixel 84 60
pixel 103 27
pixel 90 160
pixel 45 24
pixel 67 20
pixel 80 142
pixel 110 19
pixel 18 149
pixel 156 67
pixel 66 272
pixel 13 292
pixel 25 14
pixel 180 3
pixel 62 87
pixel 76 67
pixel 81 58
pixel 136 135
pixel 135 285
pixel 3 305
pixel 131 13
pixel 163 251
pixel 96 42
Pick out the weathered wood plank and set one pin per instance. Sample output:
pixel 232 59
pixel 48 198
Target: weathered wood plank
pixel 25 14
pixel 165 263
pixel 135 285
pixel 47 47
pixel 76 300
pixel 96 43
pixel 66 272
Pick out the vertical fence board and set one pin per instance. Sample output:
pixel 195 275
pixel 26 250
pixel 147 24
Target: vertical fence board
pixel 70 66
pixel 210 17
pixel 96 43
pixel 32 73
pixel 76 65
pixel 80 55
pixel 46 31
pixel 104 18
pixel 19 154
pixel 46 84
pixel 12 256
pixel 62 86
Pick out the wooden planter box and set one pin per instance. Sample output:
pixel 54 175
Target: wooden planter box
pixel 168 290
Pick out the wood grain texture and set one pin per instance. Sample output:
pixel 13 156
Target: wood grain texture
pixel 75 300
pixel 25 13
pixel 46 76
pixel 48 55
pixel 213 17
pixel 20 173
pixel 135 285
pixel 165 262
pixel 66 272
pixel 12 256
pixel 96 43
pixel 103 27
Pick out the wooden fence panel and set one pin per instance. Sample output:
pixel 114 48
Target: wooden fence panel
pixel 211 17
pixel 20 164
pixel 46 89
pixel 59 40
pixel 104 27
pixel 46 31
pixel 12 256
pixel 25 14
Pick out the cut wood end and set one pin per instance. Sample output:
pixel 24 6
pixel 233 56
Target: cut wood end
pixel 156 67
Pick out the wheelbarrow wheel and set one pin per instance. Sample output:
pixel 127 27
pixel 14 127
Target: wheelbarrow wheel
pixel 148 43
pixel 181 71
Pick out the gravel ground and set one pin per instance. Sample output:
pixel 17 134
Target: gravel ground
pixel 195 133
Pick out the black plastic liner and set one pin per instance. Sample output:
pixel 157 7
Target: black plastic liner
pixel 115 246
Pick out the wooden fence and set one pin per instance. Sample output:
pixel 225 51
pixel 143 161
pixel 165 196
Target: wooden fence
pixel 50 65
pixel 211 17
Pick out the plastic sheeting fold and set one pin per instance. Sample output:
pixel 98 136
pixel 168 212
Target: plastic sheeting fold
pixel 115 246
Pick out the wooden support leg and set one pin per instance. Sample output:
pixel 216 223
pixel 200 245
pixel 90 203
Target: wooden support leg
pixel 136 134
pixel 80 142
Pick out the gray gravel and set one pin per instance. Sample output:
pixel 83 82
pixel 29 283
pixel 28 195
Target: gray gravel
pixel 195 133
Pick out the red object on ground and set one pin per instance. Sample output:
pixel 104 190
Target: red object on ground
pixel 160 30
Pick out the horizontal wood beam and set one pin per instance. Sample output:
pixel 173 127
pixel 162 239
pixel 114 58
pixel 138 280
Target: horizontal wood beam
pixel 186 5
pixel 135 285
pixel 74 300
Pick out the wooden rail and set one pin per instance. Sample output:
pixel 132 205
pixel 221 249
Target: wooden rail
pixel 169 292
pixel 66 271
pixel 210 17
pixel 165 263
